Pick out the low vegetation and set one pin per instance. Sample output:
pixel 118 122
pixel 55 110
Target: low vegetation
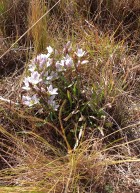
pixel 69 103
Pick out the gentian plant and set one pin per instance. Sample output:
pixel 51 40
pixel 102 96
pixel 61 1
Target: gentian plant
pixel 56 77
pixel 45 72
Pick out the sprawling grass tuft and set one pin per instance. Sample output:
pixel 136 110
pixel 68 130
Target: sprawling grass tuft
pixel 69 103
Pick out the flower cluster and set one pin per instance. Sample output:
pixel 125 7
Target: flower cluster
pixel 44 71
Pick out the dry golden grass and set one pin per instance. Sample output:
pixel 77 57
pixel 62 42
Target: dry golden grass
pixel 45 168
pixel 39 33
pixel 37 156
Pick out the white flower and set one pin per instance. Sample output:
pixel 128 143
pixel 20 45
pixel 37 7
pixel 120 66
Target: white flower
pixel 50 77
pixel 41 60
pixel 52 103
pixel 35 78
pixel 41 57
pixel 63 64
pixel 80 53
pixel 30 101
pixel 68 61
pixel 35 99
pixel 54 75
pixel 60 66
pixel 50 49
pixel 51 98
pixel 26 83
pixel 49 62
pixel 26 100
pixel 54 106
pixel 52 91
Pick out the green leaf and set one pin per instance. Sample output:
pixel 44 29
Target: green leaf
pixel 69 97
pixel 75 89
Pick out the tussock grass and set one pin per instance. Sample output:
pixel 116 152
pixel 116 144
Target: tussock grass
pixel 41 166
pixel 39 32
pixel 37 155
